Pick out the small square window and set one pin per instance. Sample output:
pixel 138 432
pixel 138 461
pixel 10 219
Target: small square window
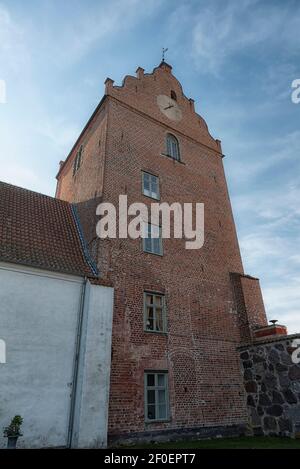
pixel 152 241
pixel 154 313
pixel 150 185
pixel 156 396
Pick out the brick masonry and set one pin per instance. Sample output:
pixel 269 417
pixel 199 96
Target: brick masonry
pixel 209 310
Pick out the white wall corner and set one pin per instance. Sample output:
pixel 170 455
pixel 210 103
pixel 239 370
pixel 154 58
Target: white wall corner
pixel 92 396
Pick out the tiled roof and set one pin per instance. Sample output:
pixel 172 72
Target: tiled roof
pixel 40 231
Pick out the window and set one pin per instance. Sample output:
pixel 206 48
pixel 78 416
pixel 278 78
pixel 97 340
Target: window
pixel 77 160
pixel 173 147
pixel 173 95
pixel 150 185
pixel 156 396
pixel 154 312
pixel 152 242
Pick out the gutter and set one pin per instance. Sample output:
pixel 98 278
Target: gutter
pixel 92 265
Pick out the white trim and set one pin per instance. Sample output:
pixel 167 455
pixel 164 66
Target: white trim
pixel 22 269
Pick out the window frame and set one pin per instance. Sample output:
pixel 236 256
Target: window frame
pixel 175 139
pixel 163 312
pixel 156 388
pixel 75 165
pixel 77 160
pixel 143 185
pixel 160 253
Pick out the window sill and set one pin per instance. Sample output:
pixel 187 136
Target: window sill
pixel 158 421
pixel 155 332
pixel 153 253
pixel 171 158
pixel 152 198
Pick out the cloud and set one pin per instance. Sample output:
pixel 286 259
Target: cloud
pixel 38 102
pixel 13 51
pixel 271 206
pixel 259 154
pixel 95 26
pixel 272 259
pixel 59 46
pixel 282 302
pixel 69 38
pixel 269 234
pixel 60 133
pixel 21 175
pixel 225 29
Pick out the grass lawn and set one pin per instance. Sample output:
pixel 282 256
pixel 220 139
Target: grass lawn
pixel 223 443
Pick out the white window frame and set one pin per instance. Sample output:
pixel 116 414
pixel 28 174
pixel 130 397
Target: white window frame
pixel 77 160
pixel 153 240
pixel 150 193
pixel 172 143
pixel 156 388
pixel 154 307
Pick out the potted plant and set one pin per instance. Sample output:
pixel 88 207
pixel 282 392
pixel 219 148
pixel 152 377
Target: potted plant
pixel 12 432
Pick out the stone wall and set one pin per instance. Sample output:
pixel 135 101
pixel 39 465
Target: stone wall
pixel 272 384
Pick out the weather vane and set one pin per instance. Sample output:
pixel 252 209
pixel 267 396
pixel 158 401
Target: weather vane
pixel 163 53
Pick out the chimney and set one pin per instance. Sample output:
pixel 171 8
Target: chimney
pixel 270 331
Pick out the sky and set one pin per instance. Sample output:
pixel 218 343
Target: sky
pixel 236 58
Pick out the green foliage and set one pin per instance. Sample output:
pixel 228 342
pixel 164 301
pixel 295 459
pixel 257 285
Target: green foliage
pixel 14 427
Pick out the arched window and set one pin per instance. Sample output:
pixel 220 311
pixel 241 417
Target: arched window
pixel 173 147
pixel 173 95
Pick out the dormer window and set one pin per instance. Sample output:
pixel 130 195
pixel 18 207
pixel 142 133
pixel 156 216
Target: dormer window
pixel 173 95
pixel 173 147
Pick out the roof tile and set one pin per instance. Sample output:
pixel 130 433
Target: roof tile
pixel 40 231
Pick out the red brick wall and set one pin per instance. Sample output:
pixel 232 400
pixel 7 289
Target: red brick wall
pixel 204 327
pixel 254 302
pixel 249 304
pixel 87 182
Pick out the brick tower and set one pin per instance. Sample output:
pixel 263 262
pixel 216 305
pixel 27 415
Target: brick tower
pixel 179 314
